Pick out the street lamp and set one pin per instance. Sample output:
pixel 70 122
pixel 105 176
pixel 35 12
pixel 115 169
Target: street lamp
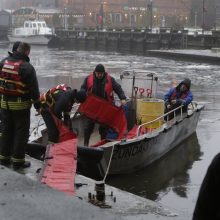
pixel 203 15
pixel 151 14
pixel 65 23
pixel 215 15
pixel 195 19
pixel 150 8
pixel 101 15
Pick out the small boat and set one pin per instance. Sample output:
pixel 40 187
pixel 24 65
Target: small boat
pixel 150 134
pixel 33 32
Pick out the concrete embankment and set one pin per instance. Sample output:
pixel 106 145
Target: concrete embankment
pixel 206 56
pixel 131 42
pixel 23 197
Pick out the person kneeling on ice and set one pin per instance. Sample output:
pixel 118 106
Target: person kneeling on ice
pixel 58 102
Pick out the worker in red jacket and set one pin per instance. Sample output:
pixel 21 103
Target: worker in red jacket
pixel 101 84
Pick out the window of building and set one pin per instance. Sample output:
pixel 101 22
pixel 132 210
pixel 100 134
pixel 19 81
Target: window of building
pixel 118 18
pixel 133 19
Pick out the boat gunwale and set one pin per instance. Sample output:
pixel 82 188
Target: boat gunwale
pixel 155 132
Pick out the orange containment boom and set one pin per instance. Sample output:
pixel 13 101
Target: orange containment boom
pixel 60 166
pixel 105 113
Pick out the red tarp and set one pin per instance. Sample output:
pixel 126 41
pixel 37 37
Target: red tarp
pixel 60 167
pixel 133 132
pixel 61 159
pixel 105 113
pixel 64 131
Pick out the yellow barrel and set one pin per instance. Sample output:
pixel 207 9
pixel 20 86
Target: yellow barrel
pixel 148 110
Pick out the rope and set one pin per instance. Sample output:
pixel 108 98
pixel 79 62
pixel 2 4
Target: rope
pixel 37 126
pixel 106 173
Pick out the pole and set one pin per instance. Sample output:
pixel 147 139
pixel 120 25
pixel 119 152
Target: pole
pixel 150 8
pixel 203 15
pixel 64 18
pixel 101 14
pixel 195 20
pixel 151 15
pixel 215 14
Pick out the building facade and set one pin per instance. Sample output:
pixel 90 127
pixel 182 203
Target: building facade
pixel 124 13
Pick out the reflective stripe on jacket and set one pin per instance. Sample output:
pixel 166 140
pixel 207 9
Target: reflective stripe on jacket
pixel 48 97
pixel 18 104
pixel 10 79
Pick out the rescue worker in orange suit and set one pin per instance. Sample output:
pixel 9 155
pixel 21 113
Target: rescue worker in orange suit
pixel 101 84
pixel 177 96
pixel 59 101
pixel 18 90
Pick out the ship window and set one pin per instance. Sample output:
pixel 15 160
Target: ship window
pixel 44 25
pixel 34 25
pixel 39 25
pixel 26 25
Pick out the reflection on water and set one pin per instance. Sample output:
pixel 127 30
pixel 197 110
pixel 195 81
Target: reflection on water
pixel 168 172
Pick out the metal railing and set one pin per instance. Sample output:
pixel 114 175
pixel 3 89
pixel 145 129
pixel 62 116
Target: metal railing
pixel 162 117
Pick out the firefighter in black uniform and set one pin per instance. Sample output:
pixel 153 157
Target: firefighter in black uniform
pixel 14 49
pixel 18 90
pixel 59 101
pixel 100 83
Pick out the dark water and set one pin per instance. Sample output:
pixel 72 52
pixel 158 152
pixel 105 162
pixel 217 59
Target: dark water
pixel 175 179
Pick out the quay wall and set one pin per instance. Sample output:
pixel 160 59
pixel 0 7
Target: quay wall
pixel 131 42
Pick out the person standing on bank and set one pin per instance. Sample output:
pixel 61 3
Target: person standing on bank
pixel 59 101
pixel 18 90
pixel 14 49
pixel 101 84
pixel 177 96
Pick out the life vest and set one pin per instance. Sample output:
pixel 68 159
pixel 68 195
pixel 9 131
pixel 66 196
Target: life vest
pixel 108 86
pixel 173 96
pixel 11 83
pixel 48 97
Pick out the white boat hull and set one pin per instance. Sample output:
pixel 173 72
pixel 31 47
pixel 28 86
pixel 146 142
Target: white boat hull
pixel 133 155
pixel 32 39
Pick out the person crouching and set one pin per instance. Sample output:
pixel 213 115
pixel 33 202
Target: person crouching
pixel 59 101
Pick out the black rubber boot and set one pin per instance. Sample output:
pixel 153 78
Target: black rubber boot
pixel 5 162
pixel 17 166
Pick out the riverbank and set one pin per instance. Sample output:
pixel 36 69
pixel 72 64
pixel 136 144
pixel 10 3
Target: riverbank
pixel 23 197
pixel 132 41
